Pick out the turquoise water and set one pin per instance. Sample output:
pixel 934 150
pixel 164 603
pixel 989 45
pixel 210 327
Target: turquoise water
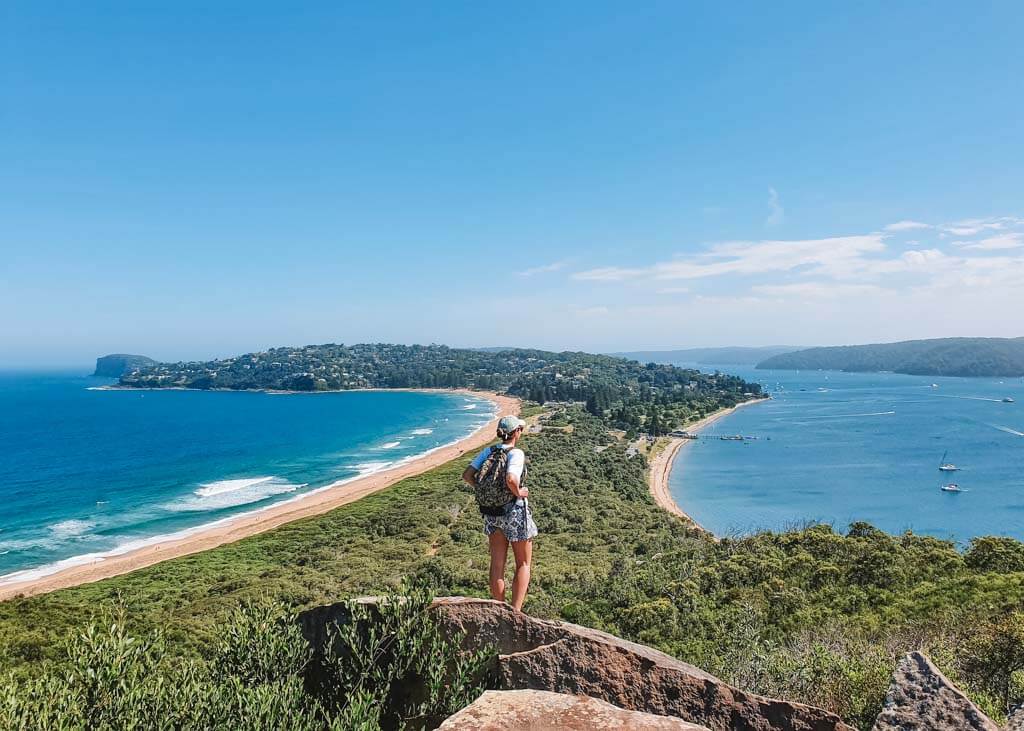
pixel 85 472
pixel 866 447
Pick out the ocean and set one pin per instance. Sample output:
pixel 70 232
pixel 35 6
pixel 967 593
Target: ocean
pixel 86 472
pixel 842 447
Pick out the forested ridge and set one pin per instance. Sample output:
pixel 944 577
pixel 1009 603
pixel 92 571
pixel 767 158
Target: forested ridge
pixel 995 357
pixel 632 396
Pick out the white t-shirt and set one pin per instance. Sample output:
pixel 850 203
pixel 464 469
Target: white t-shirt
pixel 516 460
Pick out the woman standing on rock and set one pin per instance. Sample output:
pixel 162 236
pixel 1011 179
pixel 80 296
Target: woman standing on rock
pixel 498 478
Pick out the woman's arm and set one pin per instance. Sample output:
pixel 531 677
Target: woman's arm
pixel 469 476
pixel 512 482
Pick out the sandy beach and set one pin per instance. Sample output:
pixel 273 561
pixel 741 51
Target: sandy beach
pixel 258 522
pixel 663 463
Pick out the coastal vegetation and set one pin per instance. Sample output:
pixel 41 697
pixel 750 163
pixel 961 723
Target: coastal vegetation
pixel 995 357
pixel 628 394
pixel 385 667
pixel 818 613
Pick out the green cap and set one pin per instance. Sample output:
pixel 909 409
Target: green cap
pixel 509 424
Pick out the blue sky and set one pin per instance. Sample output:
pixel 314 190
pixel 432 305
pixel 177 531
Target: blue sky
pixel 188 180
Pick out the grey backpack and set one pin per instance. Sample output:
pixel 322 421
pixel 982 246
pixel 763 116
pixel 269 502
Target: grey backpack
pixel 491 491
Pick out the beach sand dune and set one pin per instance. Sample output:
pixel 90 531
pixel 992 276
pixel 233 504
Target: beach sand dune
pixel 248 525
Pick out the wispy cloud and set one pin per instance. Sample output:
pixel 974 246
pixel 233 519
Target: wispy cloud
pixel 906 226
pixel 966 227
pixel 608 274
pixel 1001 242
pixel 975 226
pixel 544 268
pixel 777 213
pixel 830 256
pixel 870 267
pixel 815 290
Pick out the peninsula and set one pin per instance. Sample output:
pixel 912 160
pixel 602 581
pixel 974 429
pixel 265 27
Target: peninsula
pixel 628 395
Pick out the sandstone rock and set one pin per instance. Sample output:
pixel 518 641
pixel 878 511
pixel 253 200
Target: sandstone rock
pixel 1016 720
pixel 921 698
pixel 538 710
pixel 565 658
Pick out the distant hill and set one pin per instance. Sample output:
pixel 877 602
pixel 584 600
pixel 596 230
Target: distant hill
pixel 715 356
pixel 941 357
pixel 118 364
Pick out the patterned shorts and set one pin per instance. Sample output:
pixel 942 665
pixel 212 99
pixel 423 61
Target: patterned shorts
pixel 517 522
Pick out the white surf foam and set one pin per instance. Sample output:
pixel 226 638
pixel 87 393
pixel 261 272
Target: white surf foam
pixel 232 493
pixel 389 445
pixel 422 432
pixel 209 489
pixel 469 406
pixel 70 528
pixel 368 468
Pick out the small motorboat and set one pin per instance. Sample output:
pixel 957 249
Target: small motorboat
pixel 1008 400
pixel 952 487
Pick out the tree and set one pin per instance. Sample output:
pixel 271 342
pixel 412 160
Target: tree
pixel 995 553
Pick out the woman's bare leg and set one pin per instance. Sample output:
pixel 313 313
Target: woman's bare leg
pixel 523 551
pixel 498 544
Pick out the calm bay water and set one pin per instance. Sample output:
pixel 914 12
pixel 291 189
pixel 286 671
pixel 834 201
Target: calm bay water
pixel 864 447
pixel 85 471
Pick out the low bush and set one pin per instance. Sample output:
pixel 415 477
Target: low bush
pixel 388 667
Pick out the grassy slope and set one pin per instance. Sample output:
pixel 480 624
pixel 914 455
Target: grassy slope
pixel 811 615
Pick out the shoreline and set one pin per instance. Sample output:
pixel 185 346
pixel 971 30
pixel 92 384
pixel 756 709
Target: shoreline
pixel 662 466
pixel 229 530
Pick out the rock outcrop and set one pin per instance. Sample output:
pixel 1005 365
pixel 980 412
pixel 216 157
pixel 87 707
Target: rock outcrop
pixel 1016 720
pixel 536 654
pixel 116 365
pixel 539 710
pixel 921 698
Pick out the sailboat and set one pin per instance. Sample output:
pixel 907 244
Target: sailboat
pixel 945 466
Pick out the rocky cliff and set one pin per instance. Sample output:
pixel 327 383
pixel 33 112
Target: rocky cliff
pixel 556 675
pixel 118 364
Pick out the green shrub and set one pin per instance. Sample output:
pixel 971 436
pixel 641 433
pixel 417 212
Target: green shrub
pixel 256 678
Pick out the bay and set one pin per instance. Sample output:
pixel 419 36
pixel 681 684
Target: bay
pixel 842 447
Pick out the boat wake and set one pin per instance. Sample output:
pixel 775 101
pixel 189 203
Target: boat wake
pixel 1008 430
pixel 841 416
pixel 969 398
